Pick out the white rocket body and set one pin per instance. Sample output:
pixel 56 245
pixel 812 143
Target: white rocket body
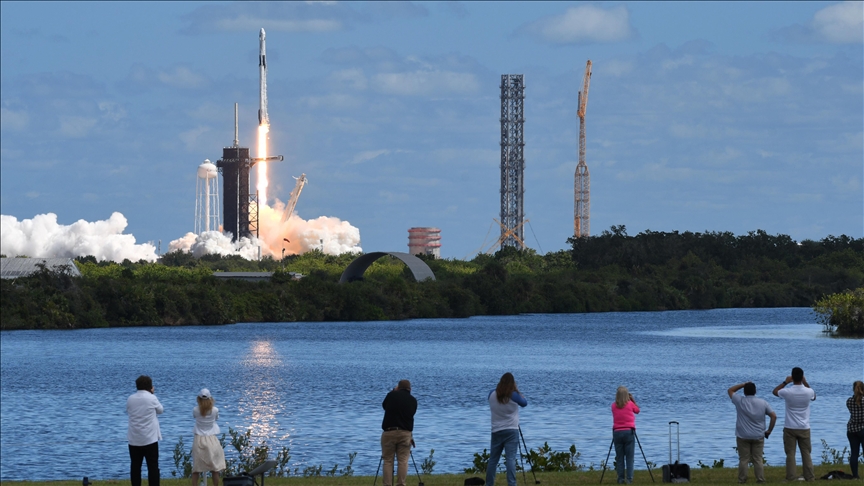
pixel 263 118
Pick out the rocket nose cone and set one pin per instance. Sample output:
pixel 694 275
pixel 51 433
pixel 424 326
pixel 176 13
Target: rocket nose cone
pixel 261 34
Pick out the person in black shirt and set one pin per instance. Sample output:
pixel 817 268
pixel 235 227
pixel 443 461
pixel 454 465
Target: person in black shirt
pixel 399 409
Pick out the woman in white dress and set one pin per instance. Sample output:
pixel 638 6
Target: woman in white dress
pixel 207 453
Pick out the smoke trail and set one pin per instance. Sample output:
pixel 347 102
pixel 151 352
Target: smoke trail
pixel 330 235
pixel 43 237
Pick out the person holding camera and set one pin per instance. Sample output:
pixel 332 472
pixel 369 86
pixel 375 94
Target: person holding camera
pixel 399 409
pixel 796 424
pixel 750 433
pixel 504 403
pixel 144 434
pixel 624 410
pixel 207 452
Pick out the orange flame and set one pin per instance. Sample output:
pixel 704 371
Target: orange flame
pixel 262 183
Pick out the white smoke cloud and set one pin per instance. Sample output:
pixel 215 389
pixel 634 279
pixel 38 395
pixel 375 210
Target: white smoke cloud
pixel 43 237
pixel 328 234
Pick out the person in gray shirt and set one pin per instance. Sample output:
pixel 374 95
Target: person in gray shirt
pixel 750 433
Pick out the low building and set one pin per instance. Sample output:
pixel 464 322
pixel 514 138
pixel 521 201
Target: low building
pixel 23 267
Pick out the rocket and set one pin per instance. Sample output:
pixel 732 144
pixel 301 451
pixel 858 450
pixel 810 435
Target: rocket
pixel 263 118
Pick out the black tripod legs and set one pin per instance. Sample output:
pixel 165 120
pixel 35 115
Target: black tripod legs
pixel 528 456
pixel 643 456
pixel 606 462
pixel 420 481
pixel 376 471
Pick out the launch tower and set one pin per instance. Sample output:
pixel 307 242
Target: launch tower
pixel 512 159
pixel 239 204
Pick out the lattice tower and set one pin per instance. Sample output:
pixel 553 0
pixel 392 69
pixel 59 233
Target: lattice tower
pixel 582 179
pixel 512 159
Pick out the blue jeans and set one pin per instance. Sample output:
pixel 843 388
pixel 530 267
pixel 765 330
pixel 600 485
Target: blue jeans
pixel 508 441
pixel 624 441
pixel 856 441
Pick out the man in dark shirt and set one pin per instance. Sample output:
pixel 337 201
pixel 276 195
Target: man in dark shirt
pixel 399 409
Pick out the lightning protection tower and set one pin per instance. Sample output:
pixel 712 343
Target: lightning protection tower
pixel 512 159
pixel 582 179
pixel 207 198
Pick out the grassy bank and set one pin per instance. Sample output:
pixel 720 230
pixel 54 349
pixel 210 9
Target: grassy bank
pixel 728 475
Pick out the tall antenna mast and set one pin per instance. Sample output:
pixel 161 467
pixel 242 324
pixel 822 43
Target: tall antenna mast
pixel 582 180
pixel 236 128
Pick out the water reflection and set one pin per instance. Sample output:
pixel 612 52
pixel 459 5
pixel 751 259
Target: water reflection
pixel 263 378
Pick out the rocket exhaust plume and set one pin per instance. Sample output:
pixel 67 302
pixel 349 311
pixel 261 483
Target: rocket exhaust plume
pixel 263 119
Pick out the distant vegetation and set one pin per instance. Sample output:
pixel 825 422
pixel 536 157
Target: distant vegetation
pixel 609 272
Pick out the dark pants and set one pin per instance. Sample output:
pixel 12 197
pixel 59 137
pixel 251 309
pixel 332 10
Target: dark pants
pixel 138 454
pixel 856 441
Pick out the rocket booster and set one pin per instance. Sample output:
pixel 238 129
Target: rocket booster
pixel 263 118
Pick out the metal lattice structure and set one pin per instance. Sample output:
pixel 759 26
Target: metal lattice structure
pixel 512 159
pixel 582 179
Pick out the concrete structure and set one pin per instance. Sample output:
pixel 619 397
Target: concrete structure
pixel 23 267
pixel 357 268
pixel 424 241
pixel 207 198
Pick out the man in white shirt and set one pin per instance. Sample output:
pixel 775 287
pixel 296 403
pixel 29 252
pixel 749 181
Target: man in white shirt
pixel 144 434
pixel 796 425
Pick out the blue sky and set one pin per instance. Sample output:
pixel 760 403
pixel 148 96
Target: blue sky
pixel 702 115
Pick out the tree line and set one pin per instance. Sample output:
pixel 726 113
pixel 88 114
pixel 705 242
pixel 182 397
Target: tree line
pixel 612 271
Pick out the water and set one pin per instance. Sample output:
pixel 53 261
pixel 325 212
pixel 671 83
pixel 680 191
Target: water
pixel 317 387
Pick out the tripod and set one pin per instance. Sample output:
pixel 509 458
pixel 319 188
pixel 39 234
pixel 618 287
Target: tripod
pixel 606 462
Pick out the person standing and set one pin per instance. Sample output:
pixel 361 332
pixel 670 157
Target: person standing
pixel 144 435
pixel 624 410
pixel 399 409
pixel 855 426
pixel 796 424
pixel 504 403
pixel 750 433
pixel 207 452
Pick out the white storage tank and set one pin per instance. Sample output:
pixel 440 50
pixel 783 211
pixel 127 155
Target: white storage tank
pixel 424 241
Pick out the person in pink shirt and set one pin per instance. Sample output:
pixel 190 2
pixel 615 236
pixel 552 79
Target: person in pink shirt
pixel 624 410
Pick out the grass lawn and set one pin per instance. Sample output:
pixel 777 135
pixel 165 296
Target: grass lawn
pixel 728 475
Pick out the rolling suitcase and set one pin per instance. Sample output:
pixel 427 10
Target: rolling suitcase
pixel 675 472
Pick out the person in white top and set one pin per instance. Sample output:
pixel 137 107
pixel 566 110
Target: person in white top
pixel 796 425
pixel 207 452
pixel 144 434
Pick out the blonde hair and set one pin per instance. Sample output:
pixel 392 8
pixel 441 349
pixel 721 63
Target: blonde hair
pixel 622 396
pixel 858 389
pixel 205 405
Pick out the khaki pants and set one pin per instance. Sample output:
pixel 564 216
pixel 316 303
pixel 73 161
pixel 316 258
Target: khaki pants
pixel 750 450
pixel 801 438
pixel 398 443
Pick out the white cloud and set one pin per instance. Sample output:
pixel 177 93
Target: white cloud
pixel 76 126
pixel 244 23
pixel 426 83
pixel 368 155
pixel 182 77
pixel 190 137
pixel 352 78
pixel 842 23
pixel 13 120
pixel 584 24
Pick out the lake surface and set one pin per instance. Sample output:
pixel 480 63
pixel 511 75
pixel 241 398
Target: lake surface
pixel 317 387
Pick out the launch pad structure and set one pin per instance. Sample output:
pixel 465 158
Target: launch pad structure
pixel 582 178
pixel 239 203
pixel 512 160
